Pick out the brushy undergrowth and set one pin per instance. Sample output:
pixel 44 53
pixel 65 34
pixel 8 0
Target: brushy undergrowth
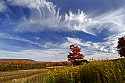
pixel 103 71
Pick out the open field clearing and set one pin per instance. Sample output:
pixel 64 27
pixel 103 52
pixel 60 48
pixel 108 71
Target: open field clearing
pixel 22 76
pixel 102 71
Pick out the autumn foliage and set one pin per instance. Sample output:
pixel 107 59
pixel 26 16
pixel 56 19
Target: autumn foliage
pixel 75 56
pixel 121 46
pixel 23 64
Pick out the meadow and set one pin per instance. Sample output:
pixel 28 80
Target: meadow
pixel 25 70
pixel 24 64
pixel 23 76
pixel 101 71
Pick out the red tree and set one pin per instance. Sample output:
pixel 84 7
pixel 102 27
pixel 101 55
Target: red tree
pixel 121 46
pixel 75 56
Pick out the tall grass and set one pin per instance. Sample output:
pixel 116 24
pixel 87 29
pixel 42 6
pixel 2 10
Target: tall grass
pixel 103 71
pixel 94 72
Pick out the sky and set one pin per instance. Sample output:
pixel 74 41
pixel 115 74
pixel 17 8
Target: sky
pixel 43 30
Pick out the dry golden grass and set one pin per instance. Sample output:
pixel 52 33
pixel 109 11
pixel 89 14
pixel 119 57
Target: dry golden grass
pixel 20 74
pixel 103 71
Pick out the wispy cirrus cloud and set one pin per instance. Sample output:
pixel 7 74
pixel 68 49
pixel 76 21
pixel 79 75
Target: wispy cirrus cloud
pixel 104 47
pixel 96 50
pixel 7 36
pixel 114 21
pixel 2 6
pixel 44 15
pixel 39 55
pixel 89 49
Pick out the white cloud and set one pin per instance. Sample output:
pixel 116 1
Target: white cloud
pixel 44 15
pixel 39 55
pixel 55 54
pixel 7 36
pixel 59 52
pixel 102 56
pixel 104 47
pixel 79 22
pixel 30 3
pixel 2 6
pixel 114 21
pixel 73 40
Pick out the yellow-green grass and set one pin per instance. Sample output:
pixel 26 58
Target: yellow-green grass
pixel 103 71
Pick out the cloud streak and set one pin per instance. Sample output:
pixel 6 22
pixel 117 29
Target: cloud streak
pixel 7 36
pixel 39 55
pixel 2 7
pixel 89 49
pixel 114 21
pixel 44 15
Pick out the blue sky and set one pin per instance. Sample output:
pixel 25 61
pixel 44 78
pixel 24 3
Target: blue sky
pixel 43 29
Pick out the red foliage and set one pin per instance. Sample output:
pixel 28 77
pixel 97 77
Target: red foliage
pixel 75 55
pixel 121 46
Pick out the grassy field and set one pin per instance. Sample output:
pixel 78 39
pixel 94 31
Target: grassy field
pixel 25 70
pixel 102 71
pixel 24 64
pixel 23 76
